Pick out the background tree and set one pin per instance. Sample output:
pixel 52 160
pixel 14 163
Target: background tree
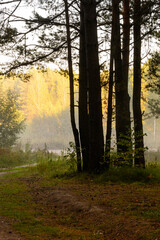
pixel 152 78
pixel 11 120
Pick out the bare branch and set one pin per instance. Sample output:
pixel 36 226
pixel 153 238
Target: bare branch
pixel 9 2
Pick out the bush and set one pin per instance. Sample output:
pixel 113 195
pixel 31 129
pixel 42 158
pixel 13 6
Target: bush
pixel 11 119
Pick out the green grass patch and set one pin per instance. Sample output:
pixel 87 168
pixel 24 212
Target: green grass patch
pixel 54 168
pixel 59 168
pixel 150 213
pixel 16 203
pixel 27 197
pixel 130 175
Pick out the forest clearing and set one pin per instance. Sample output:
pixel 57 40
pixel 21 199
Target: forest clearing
pixel 42 203
pixel 82 77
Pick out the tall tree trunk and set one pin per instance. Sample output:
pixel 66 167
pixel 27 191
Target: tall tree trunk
pixel 125 68
pixel 83 96
pixel 123 130
pixel 110 97
pixel 126 40
pixel 138 125
pixel 96 141
pixel 72 112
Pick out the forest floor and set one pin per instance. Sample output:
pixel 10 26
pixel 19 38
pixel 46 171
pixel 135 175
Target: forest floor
pixel 77 208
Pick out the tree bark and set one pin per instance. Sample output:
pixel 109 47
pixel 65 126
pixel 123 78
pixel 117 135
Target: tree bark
pixel 110 97
pixel 126 40
pixel 72 112
pixel 83 96
pixel 137 114
pixel 125 69
pixel 123 128
pixel 96 141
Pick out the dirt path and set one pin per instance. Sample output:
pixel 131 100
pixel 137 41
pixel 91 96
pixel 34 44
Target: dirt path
pixel 4 173
pixel 22 166
pixel 6 231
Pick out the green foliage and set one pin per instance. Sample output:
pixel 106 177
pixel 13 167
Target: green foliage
pixel 70 157
pixel 65 164
pixel 154 64
pixel 126 155
pixel 11 120
pixel 125 174
pixel 7 35
pixel 52 168
pixel 152 78
pixel 130 175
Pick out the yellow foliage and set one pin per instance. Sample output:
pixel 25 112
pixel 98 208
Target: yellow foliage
pixel 46 92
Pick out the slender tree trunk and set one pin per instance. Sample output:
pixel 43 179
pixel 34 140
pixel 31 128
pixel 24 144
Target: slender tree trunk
pixel 119 84
pixel 123 129
pixel 138 125
pixel 96 141
pixel 109 117
pixel 72 112
pixel 126 40
pixel 83 96
pixel 110 97
pixel 125 68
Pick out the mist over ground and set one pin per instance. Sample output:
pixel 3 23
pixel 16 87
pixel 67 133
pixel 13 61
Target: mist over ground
pixel 45 103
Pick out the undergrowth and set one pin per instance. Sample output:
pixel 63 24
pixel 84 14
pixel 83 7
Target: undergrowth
pixel 10 158
pixel 60 168
pixel 50 165
pixel 22 192
pixel 150 174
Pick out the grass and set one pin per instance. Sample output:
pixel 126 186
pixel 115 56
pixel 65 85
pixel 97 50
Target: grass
pixel 10 158
pixel 60 169
pixel 16 203
pixel 131 175
pixel 128 196
pixel 26 198
pixel 53 166
pixel 150 214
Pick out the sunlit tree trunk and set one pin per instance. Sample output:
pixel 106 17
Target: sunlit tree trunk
pixel 96 141
pixel 138 125
pixel 72 112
